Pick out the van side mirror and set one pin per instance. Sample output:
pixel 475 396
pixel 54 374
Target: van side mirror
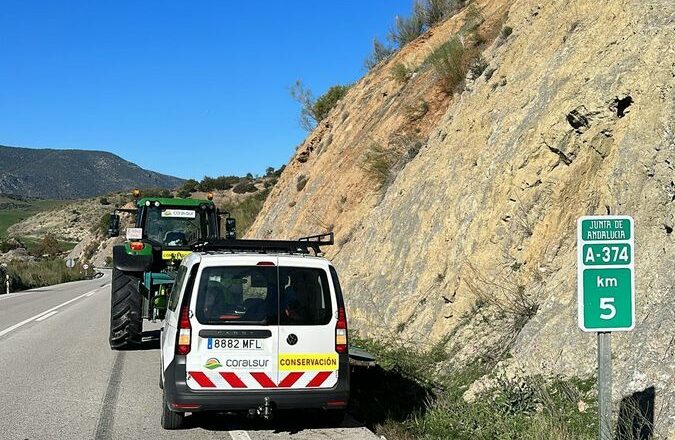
pixel 114 225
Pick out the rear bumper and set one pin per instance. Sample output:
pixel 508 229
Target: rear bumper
pixel 177 392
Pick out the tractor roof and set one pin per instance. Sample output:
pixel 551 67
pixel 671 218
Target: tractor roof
pixel 174 202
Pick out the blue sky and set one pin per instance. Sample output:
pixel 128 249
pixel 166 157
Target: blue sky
pixel 187 88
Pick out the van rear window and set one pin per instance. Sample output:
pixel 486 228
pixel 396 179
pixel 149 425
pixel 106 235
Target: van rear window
pixel 237 295
pixel 263 295
pixel 305 296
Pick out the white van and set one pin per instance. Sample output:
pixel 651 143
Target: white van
pixel 254 332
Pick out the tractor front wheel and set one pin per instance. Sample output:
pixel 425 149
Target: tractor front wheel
pixel 126 319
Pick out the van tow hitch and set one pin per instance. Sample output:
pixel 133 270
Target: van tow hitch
pixel 265 410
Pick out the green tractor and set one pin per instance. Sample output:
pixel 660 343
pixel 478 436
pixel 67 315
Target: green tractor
pixel 144 267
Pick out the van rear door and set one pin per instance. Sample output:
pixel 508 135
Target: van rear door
pixel 234 319
pixel 307 320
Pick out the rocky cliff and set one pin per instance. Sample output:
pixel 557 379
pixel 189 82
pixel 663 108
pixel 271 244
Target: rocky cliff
pixel 473 232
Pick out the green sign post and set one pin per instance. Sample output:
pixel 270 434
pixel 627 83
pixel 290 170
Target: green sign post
pixel 605 294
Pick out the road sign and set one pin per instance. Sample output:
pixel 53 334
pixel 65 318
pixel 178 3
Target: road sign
pixel 70 263
pixel 605 273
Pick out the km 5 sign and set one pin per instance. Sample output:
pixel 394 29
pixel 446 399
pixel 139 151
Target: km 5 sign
pixel 606 273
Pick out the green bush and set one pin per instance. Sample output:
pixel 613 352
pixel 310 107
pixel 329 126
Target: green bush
pixel 101 228
pixel 401 73
pixel 314 111
pixel 449 63
pixel 48 246
pixel 380 53
pixel 378 164
pixel 219 183
pixel 104 201
pixel 327 101
pixel 244 187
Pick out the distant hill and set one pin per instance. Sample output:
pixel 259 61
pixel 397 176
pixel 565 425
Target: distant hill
pixel 71 174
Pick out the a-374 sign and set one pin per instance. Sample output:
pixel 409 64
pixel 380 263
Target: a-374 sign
pixel 606 273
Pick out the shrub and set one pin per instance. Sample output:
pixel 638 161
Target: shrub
pixel 380 53
pixel 29 275
pixel 104 201
pixel 183 193
pixel 244 187
pixel 408 29
pixel 314 111
pixel 400 73
pixel 413 394
pixel 449 64
pixel 327 101
pixel 48 246
pixel 477 67
pixel 101 228
pixel 378 164
pixel 506 32
pixel 436 11
pixel 219 183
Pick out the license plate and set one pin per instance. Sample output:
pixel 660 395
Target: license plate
pixel 234 344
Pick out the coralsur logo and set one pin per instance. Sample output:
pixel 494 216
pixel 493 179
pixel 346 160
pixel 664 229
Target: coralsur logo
pixel 212 364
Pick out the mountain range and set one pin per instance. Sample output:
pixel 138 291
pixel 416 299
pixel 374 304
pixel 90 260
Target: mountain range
pixel 72 174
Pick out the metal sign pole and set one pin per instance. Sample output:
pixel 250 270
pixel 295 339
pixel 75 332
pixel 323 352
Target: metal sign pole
pixel 605 385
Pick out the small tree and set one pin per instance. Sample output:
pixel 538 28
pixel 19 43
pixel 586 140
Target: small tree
pixel 407 29
pixel 314 111
pixel 380 53
pixel 435 11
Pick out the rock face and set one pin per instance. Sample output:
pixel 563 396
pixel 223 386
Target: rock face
pixel 475 236
pixel 71 174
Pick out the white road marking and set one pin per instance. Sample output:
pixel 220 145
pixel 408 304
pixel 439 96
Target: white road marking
pixel 46 315
pixel 239 435
pixel 26 321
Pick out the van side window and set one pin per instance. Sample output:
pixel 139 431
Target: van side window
pixel 177 287
pixel 305 296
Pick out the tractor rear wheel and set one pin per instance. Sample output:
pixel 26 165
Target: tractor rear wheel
pixel 126 319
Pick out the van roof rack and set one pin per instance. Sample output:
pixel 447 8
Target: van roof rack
pixel 300 246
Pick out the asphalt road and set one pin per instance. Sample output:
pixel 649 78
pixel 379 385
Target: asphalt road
pixel 59 378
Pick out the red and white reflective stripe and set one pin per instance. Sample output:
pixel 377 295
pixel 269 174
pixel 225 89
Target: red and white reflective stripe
pixel 257 380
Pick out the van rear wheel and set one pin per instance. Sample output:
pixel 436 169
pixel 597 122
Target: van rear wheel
pixel 126 319
pixel 170 419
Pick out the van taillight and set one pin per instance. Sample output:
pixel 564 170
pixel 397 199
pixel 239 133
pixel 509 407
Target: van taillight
pixel 184 332
pixel 341 331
